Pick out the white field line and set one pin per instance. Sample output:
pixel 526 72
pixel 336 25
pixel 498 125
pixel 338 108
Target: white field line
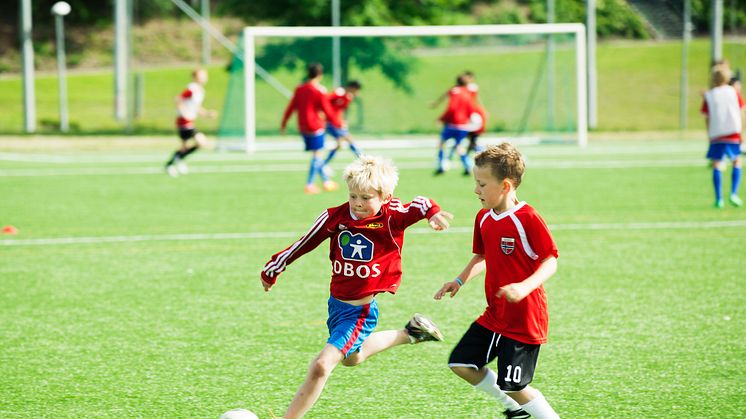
pixel 673 225
pixel 250 167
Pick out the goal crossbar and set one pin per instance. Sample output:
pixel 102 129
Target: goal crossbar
pixel 252 32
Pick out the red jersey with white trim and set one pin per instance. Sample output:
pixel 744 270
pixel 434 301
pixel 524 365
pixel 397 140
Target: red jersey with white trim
pixel 340 101
pixel 722 105
pixel 365 254
pixel 310 101
pixel 191 101
pixel 460 107
pixel 514 243
pixel 473 89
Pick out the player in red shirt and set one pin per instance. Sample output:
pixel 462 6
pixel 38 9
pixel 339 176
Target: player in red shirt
pixel 340 100
pixel 513 244
pixel 366 235
pixel 456 123
pixel 311 102
pixel 189 106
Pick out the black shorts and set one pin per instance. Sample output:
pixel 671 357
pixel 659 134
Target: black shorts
pixel 516 361
pixel 187 133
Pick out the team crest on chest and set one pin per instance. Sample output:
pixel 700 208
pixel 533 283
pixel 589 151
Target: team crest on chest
pixel 507 245
pixel 355 247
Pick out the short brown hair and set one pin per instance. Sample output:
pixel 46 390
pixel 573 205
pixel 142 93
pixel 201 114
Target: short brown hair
pixel 720 75
pixel 505 162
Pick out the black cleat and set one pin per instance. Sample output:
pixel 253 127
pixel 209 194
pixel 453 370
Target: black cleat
pixel 421 329
pixel 517 414
pixel 438 172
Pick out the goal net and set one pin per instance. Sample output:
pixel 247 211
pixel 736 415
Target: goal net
pixel 531 79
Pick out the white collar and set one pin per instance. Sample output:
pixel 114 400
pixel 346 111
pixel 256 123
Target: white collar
pixel 506 213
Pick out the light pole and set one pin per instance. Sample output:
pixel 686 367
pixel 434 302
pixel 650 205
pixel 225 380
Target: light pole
pixel 60 10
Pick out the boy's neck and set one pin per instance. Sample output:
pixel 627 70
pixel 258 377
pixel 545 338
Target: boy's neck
pixel 510 202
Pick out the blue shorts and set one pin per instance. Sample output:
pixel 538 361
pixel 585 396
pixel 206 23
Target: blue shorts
pixel 718 151
pixel 450 132
pixel 350 325
pixel 314 141
pixel 336 132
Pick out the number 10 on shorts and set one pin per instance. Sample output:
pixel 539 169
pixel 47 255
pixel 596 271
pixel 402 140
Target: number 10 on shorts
pixel 515 377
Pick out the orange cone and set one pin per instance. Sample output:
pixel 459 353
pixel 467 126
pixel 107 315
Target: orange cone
pixel 10 230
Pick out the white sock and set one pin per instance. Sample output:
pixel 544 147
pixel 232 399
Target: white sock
pixel 489 386
pixel 539 408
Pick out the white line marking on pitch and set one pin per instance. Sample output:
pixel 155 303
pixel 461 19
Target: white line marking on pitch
pixel 673 225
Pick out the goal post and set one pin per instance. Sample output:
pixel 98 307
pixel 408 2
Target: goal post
pixel 251 34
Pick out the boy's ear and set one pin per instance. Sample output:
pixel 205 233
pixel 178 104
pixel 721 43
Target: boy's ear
pixel 387 198
pixel 508 185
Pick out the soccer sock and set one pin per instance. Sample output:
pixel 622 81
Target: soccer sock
pixel 489 386
pixel 717 180
pixel 465 161
pixel 319 169
pixel 452 152
pixel 735 180
pixel 311 171
pixel 189 151
pixel 174 157
pixel 441 155
pixel 539 408
pixel 355 150
pixel 329 158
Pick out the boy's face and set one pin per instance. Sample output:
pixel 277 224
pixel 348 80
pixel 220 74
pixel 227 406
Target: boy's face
pixel 492 192
pixel 201 77
pixel 366 203
pixel 352 91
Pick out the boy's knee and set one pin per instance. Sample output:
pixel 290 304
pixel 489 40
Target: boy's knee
pixel 319 368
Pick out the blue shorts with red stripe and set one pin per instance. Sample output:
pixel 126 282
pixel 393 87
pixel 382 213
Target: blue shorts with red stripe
pixel 350 325
pixel 718 151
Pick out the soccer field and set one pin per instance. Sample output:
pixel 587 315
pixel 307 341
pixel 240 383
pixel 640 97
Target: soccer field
pixel 128 293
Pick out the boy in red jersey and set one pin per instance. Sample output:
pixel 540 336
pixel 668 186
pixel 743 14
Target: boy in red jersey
pixel 189 106
pixel 456 123
pixel 514 245
pixel 310 101
pixel 340 99
pixel 366 237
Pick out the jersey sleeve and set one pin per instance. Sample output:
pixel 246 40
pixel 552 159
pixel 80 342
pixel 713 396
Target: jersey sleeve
pixel 477 244
pixel 289 110
pixel 704 109
pixel 309 241
pixel 741 103
pixel 186 94
pixel 405 215
pixel 331 114
pixel 540 238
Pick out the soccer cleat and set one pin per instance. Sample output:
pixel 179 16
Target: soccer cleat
pixel 438 172
pixel 330 186
pixel 719 203
pixel 517 414
pixel 311 189
pixel 467 172
pixel 421 329
pixel 735 200
pixel 172 170
pixel 182 167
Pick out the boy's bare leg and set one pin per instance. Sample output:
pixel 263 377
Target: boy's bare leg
pixel 377 342
pixel 318 372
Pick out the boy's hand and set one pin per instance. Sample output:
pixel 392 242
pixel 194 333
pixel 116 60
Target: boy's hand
pixel 439 221
pixel 451 287
pixel 513 292
pixel 267 286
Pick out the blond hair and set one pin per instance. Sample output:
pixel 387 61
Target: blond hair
pixel 504 161
pixel 369 172
pixel 720 75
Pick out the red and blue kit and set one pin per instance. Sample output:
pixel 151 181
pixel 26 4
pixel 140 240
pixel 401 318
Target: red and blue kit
pixel 191 101
pixel 311 101
pixel 514 243
pixel 722 105
pixel 340 101
pixel 365 254
pixel 460 107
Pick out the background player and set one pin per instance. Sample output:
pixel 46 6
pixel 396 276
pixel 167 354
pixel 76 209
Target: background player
pixel 340 99
pixel 456 122
pixel 723 108
pixel 189 106
pixel 366 236
pixel 513 244
pixel 310 101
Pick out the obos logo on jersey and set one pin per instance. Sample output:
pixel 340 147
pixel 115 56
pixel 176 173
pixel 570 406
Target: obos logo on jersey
pixel 507 244
pixel 355 247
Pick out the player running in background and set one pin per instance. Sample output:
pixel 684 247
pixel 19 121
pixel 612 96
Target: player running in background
pixel 478 119
pixel 366 235
pixel 723 107
pixel 456 123
pixel 189 106
pixel 310 101
pixel 513 244
pixel 340 99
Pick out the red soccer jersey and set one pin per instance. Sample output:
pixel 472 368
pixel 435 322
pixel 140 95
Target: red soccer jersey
pixel 514 244
pixel 310 101
pixel 340 100
pixel 191 101
pixel 365 254
pixel 460 107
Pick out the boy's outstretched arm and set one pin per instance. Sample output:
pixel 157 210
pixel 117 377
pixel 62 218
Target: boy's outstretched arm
pixel 440 221
pixel 475 267
pixel 519 290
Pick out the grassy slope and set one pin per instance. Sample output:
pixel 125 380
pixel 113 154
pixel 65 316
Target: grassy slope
pixel 638 90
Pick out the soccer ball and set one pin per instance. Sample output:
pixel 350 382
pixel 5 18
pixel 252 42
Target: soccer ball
pixel 238 414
